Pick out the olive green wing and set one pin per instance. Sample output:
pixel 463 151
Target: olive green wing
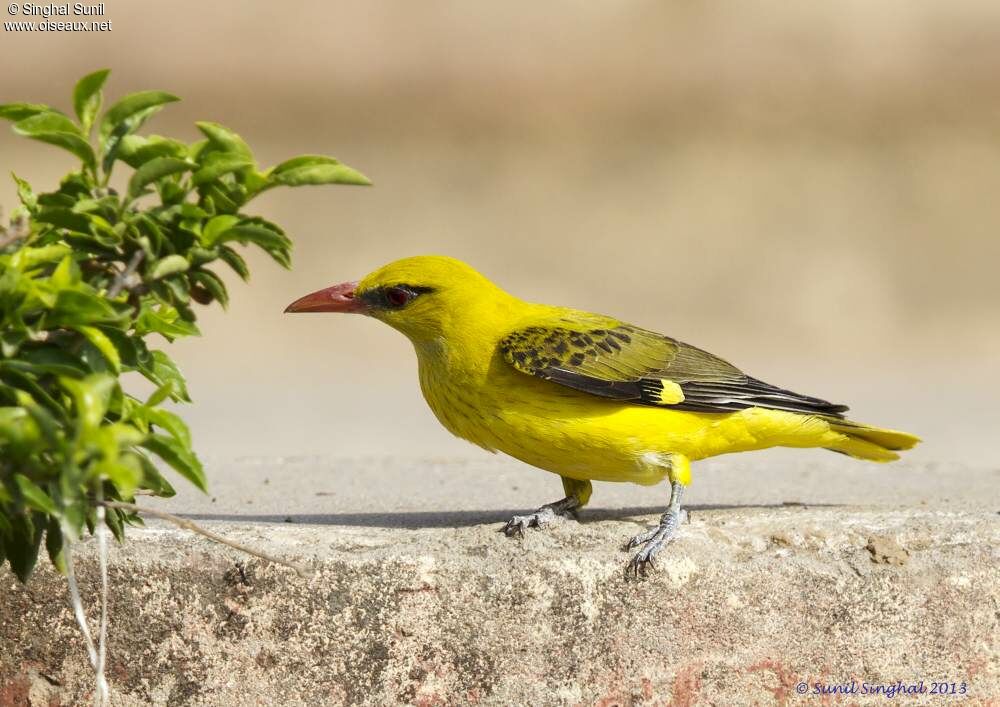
pixel 619 361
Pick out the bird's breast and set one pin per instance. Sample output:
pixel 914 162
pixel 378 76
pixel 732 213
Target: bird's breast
pixel 541 423
pixel 459 400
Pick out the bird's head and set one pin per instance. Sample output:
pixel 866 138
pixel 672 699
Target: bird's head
pixel 426 297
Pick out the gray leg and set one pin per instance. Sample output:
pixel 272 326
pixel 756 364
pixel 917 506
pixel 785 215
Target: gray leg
pixel 543 516
pixel 655 540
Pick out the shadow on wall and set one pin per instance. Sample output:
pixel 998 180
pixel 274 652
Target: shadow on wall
pixel 464 519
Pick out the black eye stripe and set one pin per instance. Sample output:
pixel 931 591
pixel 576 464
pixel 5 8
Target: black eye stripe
pixel 394 296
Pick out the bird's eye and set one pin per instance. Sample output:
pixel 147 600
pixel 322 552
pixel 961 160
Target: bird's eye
pixel 397 296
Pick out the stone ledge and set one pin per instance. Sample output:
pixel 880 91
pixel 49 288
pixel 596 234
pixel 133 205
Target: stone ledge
pixel 747 603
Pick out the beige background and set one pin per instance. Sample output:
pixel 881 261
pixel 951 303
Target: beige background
pixel 809 190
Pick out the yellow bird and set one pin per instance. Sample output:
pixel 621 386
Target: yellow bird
pixel 585 396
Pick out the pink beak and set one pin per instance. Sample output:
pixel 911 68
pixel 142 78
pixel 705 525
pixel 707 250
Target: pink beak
pixel 338 298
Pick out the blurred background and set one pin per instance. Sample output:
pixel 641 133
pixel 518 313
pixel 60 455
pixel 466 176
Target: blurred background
pixel 810 190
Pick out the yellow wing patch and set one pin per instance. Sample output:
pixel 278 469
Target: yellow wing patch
pixel 671 393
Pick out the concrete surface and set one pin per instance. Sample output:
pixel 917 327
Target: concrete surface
pixel 413 597
pixel 483 488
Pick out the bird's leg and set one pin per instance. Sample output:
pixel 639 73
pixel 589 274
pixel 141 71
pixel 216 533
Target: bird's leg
pixel 577 494
pixel 543 516
pixel 653 541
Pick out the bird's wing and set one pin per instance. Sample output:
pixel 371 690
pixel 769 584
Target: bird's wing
pixel 611 359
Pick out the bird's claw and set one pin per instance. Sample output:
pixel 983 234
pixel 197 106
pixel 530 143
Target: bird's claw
pixel 653 541
pixel 516 525
pixel 639 566
pixel 640 539
pixel 539 519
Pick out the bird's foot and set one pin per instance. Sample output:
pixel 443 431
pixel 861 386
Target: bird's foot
pixel 653 541
pixel 540 518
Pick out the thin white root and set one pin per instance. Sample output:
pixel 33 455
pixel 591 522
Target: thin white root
pixel 74 597
pixel 98 654
pixel 101 691
pixel 195 528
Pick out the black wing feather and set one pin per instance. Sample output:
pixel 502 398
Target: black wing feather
pixel 622 362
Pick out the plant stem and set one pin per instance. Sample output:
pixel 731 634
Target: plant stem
pixel 194 527
pixel 18 229
pixel 123 277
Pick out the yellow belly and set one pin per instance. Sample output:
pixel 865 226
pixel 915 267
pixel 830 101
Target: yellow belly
pixel 585 437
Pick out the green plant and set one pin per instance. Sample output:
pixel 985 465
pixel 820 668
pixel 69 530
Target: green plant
pixel 87 276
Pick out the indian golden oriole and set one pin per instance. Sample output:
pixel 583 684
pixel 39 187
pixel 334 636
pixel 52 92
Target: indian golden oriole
pixel 582 395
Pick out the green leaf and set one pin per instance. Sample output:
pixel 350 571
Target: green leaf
pixel 275 244
pixel 26 258
pixel 222 138
pixel 11 341
pixel 171 423
pixel 57 129
pixel 160 394
pixel 64 218
pixel 129 107
pixel 47 122
pixel 20 111
pixel 21 545
pixel 216 197
pixel 130 348
pixel 213 283
pixel 313 169
pixel 172 193
pixel 190 211
pixel 113 519
pixel 179 457
pixel 103 344
pixel 91 396
pixel 50 359
pixel 252 233
pixel 85 206
pixel 302 161
pixel 164 320
pixel 54 544
pixel 216 226
pixel 124 118
pixel 154 170
pixel 178 288
pixel 67 273
pixel 46 421
pixel 161 370
pixel 136 150
pixel 34 496
pixel 124 471
pixel 75 308
pixel 235 261
pixel 18 431
pixel 201 256
pixel 123 435
pixel 217 164
pixel 254 181
pixel 25 193
pixel 153 480
pixel 87 97
pixel 168 266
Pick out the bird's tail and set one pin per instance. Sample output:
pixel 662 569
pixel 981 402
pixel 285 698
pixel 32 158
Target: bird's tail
pixel 864 442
